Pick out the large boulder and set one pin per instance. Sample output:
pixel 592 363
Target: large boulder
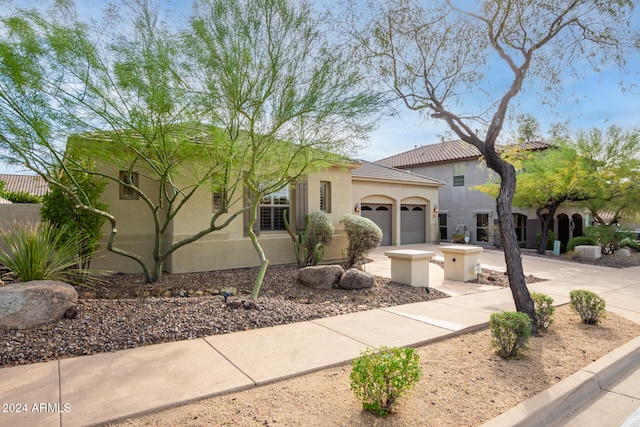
pixel 623 252
pixel 24 305
pixel 356 279
pixel 321 276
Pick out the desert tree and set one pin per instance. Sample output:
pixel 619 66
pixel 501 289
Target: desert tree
pixel 271 80
pixel 439 59
pixel 111 91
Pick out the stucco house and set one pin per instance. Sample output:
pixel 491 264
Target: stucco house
pixel 360 188
pixel 463 211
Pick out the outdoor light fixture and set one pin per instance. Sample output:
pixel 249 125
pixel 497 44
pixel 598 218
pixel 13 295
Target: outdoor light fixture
pixel 435 209
pixel 357 207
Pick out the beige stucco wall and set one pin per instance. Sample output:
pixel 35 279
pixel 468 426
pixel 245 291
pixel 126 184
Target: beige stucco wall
pixel 11 213
pixel 399 193
pixel 221 249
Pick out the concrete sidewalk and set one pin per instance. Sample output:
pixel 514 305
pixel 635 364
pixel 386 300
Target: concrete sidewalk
pixel 96 389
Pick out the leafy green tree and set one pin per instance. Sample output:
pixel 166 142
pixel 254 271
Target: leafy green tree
pixel 71 90
pixel 291 99
pixel 81 228
pixel 613 160
pixel 434 58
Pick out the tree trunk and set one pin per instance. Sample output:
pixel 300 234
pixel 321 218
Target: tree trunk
pixel 544 233
pixel 264 262
pixel 512 255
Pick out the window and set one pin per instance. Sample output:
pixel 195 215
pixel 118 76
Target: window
pixel 217 201
pixel 272 208
pixel 482 227
pixel 325 196
pixel 458 175
pixel 127 177
pixel 442 219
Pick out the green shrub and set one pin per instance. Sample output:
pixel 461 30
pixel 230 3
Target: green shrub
pixel 630 241
pixel 381 376
pixel 82 227
pixel 20 197
pixel 510 332
pixel 551 237
pixel 588 305
pixel 310 245
pixel 458 238
pixel 37 252
pixel 364 236
pixel 580 240
pixel 544 309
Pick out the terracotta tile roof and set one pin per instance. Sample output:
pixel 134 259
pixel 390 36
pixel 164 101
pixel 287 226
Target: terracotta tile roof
pixel 448 151
pixel 375 171
pixel 432 153
pixel 31 184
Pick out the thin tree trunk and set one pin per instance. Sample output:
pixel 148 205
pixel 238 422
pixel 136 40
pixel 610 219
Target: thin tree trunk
pixel 264 262
pixel 512 255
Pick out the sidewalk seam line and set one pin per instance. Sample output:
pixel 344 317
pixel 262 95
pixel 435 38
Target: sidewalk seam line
pixel 255 384
pixel 59 391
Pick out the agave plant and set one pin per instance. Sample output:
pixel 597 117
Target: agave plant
pixel 38 252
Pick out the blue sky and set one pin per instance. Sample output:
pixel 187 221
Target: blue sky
pixel 595 100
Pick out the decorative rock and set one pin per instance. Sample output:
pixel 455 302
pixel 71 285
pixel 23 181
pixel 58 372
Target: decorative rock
pixel 24 305
pixel 356 279
pixel 623 252
pixel 321 276
pixel 71 312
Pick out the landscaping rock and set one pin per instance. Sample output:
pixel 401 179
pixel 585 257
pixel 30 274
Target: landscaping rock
pixel 356 279
pixel 321 276
pixel 623 252
pixel 24 305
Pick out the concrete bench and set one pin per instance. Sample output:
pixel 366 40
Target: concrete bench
pixel 460 262
pixel 589 251
pixel 410 267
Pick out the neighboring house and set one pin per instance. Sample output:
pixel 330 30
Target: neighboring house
pixel 21 212
pixel 31 184
pixel 472 213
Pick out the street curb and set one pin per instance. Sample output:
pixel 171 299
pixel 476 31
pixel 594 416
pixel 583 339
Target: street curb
pixel 565 397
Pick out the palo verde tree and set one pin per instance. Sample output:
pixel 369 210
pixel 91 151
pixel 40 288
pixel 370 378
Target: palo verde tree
pixel 434 58
pixel 116 97
pixel 294 101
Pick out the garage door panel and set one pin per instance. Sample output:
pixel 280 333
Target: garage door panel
pixel 412 224
pixel 381 216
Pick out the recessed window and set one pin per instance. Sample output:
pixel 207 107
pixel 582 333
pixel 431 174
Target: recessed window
pixel 272 208
pixel 458 175
pixel 217 200
pixel 325 196
pixel 127 193
pixel 482 227
pixel 442 219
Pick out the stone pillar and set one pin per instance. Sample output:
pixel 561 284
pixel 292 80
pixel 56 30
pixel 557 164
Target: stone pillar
pixel 460 262
pixel 410 267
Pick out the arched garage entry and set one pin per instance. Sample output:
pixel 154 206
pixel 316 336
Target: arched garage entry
pixel 380 214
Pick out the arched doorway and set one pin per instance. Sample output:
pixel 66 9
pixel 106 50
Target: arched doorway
pixel 563 231
pixel 578 228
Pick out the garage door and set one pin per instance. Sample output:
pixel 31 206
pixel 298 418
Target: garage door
pixel 412 223
pixel 381 216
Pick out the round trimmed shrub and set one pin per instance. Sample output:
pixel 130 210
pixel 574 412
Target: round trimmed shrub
pixel 379 377
pixel 544 309
pixel 364 236
pixel 588 305
pixel 510 332
pixel 580 240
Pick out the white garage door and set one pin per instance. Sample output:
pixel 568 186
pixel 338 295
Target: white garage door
pixel 412 223
pixel 381 216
